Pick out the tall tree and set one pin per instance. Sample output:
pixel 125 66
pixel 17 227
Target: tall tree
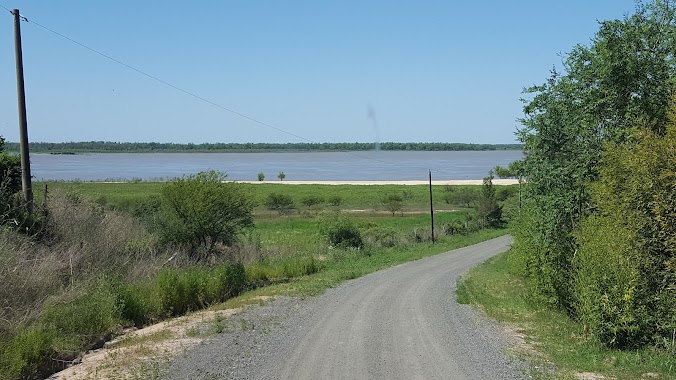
pixel 624 77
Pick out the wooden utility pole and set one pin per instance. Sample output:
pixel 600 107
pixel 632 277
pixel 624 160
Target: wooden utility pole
pixel 23 124
pixel 431 206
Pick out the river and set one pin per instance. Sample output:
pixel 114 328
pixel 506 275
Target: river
pixel 297 166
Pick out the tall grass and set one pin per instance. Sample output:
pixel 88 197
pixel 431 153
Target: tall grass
pixel 97 269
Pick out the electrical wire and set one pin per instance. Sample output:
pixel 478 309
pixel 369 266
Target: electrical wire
pixel 198 97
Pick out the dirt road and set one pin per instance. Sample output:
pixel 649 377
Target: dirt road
pixel 400 323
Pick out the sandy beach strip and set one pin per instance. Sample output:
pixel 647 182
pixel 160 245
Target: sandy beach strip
pixel 501 181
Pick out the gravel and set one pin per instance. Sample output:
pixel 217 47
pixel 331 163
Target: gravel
pixel 399 323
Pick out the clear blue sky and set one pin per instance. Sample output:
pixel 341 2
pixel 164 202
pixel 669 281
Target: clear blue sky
pixel 448 71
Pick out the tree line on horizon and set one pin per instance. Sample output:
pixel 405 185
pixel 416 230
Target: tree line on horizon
pixel 109 146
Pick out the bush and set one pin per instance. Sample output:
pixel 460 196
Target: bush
pixel 312 200
pixel 279 202
pixel 341 232
pixel 13 211
pixel 382 237
pixel 463 196
pixel 610 294
pixel 206 210
pixel 625 275
pixel 335 200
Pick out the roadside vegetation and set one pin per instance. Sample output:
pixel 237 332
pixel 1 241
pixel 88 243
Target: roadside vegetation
pixel 595 242
pixel 95 259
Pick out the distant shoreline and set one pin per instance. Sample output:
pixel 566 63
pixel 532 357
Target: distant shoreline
pixel 117 147
pixel 496 181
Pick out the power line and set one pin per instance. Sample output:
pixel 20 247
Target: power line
pixel 192 94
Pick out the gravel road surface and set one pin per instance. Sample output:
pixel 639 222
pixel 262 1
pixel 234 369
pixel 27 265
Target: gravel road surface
pixel 399 323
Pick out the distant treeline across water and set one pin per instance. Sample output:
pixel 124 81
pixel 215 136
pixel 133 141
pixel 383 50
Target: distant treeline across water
pixel 131 147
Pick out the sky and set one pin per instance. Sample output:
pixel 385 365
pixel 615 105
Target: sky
pixel 292 71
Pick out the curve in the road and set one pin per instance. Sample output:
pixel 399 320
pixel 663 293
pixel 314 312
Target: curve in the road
pixel 400 323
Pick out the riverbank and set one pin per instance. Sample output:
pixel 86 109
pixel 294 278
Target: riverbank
pixel 454 182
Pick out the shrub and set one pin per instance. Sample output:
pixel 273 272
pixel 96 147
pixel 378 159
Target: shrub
pixel 312 200
pixel 341 232
pixel 140 304
pixel 207 211
pixel 488 209
pixel 625 275
pixel 382 237
pixel 609 291
pixel 465 197
pixel 261 176
pixel 335 200
pixel 279 202
pixel 393 203
pixel 13 211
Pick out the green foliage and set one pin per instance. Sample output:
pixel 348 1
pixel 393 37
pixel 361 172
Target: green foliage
pixel 140 305
pixel 489 210
pixel 279 202
pixel 27 353
pixel 623 79
pixel 261 176
pixel 563 346
pixel 207 210
pixel 12 204
pixel 336 200
pixel 271 271
pixel 312 200
pixel 281 176
pixel 461 196
pixel 625 277
pixel 341 232
pixel 182 290
pixel 83 316
pixel 393 203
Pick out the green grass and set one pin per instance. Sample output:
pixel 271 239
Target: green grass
pixel 287 254
pixel 557 346
pixel 348 264
pixel 122 195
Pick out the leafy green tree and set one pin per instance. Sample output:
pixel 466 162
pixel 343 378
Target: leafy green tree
pixel 261 176
pixel 393 203
pixel 205 210
pixel 622 79
pixel 281 176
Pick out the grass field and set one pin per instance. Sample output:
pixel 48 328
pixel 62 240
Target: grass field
pixel 121 195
